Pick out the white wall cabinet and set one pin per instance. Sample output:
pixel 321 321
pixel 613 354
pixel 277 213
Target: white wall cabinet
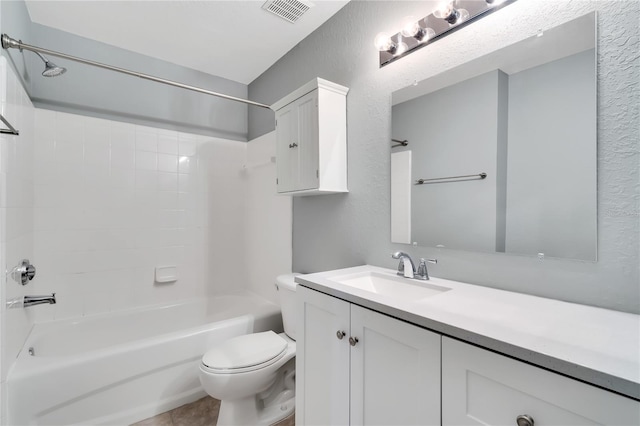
pixel 356 366
pixel 311 139
pixel 480 387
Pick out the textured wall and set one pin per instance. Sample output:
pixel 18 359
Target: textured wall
pixel 349 229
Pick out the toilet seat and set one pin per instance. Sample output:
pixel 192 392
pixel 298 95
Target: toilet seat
pixel 245 353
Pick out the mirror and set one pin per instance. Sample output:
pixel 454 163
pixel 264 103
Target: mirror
pixel 499 154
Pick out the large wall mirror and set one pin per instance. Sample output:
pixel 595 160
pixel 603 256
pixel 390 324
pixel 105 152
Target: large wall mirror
pixel 499 154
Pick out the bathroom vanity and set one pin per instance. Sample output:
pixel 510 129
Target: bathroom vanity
pixel 376 348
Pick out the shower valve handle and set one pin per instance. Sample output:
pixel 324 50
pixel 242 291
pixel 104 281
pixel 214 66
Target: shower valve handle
pixel 24 272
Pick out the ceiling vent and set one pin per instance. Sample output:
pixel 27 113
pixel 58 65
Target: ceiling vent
pixel 289 10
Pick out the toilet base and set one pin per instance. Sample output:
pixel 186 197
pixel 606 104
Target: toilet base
pixel 276 403
pixel 252 411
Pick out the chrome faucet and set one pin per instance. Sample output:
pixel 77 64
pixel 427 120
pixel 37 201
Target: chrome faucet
pixel 39 300
pixel 406 267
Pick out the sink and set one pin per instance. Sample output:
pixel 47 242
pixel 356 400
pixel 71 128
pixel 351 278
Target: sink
pixel 391 286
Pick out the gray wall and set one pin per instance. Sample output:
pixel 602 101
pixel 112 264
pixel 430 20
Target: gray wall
pixel 343 230
pixel 106 94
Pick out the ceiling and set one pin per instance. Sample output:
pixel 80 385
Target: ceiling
pixel 234 39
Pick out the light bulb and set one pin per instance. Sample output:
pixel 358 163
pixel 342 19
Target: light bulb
pixel 449 13
pixel 410 27
pixel 384 43
pixel 444 11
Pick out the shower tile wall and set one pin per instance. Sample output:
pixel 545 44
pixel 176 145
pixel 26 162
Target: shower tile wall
pixel 16 216
pixel 114 200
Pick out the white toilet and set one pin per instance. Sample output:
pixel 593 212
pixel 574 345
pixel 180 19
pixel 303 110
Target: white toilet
pixel 254 375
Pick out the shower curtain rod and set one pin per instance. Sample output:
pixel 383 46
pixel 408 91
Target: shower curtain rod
pixel 8 42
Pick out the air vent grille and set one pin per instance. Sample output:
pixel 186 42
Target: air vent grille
pixel 289 10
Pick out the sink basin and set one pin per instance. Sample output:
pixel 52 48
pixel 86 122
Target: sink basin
pixel 391 286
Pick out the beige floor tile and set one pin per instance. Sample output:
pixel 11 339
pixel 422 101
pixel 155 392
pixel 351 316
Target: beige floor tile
pixel 203 412
pixel 163 419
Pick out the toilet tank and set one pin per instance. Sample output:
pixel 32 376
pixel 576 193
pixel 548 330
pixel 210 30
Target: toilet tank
pixel 287 295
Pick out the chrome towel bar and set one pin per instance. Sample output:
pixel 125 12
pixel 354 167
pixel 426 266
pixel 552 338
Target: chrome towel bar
pixel 11 130
pixel 455 179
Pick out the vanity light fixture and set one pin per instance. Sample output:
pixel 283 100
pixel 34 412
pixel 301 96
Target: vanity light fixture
pixel 449 16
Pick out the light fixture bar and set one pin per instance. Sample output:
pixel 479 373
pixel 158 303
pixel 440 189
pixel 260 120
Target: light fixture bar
pixel 449 17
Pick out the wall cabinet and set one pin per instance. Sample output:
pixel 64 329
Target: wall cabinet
pixel 356 366
pixel 311 140
pixel 480 387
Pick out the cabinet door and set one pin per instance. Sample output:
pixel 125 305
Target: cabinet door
pixel 322 359
pixel 395 371
pixel 483 388
pixel 297 144
pixel 306 153
pixel 286 136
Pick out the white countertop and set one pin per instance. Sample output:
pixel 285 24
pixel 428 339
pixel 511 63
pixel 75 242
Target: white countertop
pixel 594 345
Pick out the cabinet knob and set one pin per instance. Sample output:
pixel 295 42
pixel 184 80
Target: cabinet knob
pixel 340 334
pixel 353 341
pixel 524 420
pixel 293 145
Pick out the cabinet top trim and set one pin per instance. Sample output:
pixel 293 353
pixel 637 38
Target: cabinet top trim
pixel 316 83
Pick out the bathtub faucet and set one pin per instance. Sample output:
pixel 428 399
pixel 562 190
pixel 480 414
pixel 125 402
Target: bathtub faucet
pixel 39 300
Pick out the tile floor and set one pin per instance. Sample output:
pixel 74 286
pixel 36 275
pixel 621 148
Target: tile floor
pixel 203 412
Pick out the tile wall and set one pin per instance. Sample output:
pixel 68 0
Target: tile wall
pixel 115 200
pixel 16 216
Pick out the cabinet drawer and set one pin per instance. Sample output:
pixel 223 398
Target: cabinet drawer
pixel 480 387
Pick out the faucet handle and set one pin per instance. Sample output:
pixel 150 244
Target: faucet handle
pixel 422 273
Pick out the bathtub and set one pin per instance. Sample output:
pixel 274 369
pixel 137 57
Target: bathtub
pixel 119 368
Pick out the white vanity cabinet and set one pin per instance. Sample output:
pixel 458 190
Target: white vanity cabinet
pixel 480 387
pixel 311 139
pixel 356 366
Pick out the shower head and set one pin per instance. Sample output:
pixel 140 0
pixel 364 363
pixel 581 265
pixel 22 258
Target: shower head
pixel 51 69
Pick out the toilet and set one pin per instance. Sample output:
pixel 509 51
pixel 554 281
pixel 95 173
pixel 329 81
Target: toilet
pixel 254 375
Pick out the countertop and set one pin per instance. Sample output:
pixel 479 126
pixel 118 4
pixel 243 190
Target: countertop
pixel 594 345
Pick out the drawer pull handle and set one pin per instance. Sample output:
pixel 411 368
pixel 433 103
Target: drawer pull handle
pixel 524 420
pixel 353 341
pixel 340 334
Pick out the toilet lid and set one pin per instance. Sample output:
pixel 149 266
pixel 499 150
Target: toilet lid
pixel 245 351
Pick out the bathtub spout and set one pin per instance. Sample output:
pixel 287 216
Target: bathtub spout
pixel 39 300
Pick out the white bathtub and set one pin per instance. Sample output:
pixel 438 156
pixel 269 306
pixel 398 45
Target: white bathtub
pixel 124 367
